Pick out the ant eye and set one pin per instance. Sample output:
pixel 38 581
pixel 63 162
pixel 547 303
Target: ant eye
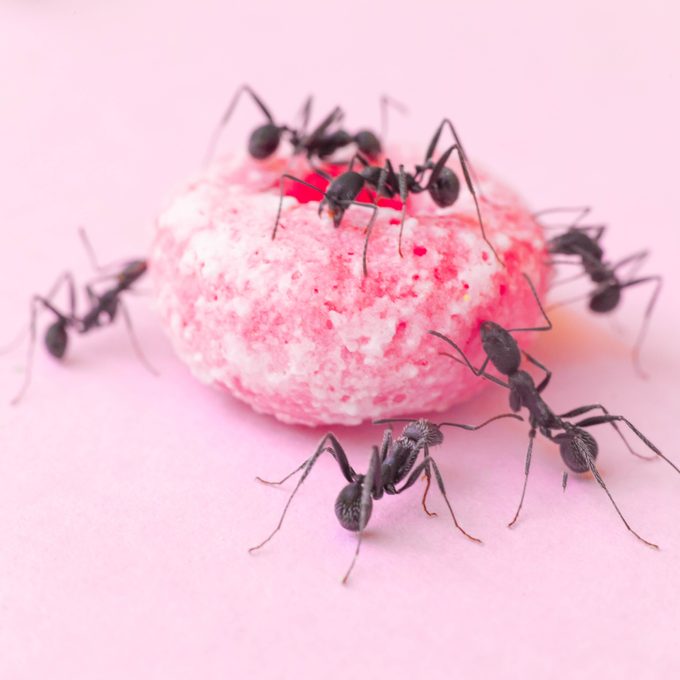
pixel 264 141
pixel 445 189
pixel 368 143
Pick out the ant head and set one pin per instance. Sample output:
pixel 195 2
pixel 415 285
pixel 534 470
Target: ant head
pixel 368 143
pixel 56 339
pixel 132 271
pixel 501 348
pixel 423 431
pixel 336 212
pixel 445 188
pixel 575 444
pixel 606 299
pixel 264 141
pixel 348 506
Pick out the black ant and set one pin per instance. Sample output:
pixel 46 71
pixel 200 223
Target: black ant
pixel 443 186
pixel 392 463
pixel 265 139
pixel 578 447
pixel 583 242
pixel 340 194
pixel 103 310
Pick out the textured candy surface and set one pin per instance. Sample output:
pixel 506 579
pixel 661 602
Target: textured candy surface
pixel 291 325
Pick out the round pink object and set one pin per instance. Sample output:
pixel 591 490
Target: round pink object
pixel 291 325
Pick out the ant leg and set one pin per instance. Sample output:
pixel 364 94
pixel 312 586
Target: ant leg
pixel 403 194
pixel 548 374
pixel 608 418
pixel 476 371
pixel 308 465
pixel 423 502
pixel 386 101
pixel 89 250
pixel 305 114
pixel 335 449
pixel 385 172
pixel 386 444
pixel 585 453
pixel 335 116
pixel 369 228
pixel 440 483
pixel 540 306
pixel 371 481
pixel 227 115
pixel 299 181
pixel 636 259
pixel 436 171
pixel 591 407
pixel 32 330
pixel 567 279
pixel 133 339
pixel 646 318
pixel 527 465
pixel 67 278
pixel 581 213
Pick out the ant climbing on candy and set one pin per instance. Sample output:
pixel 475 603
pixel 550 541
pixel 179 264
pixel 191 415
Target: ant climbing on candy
pixel 103 309
pixel 442 184
pixel 578 448
pixel 392 463
pixel 582 242
pixel 266 138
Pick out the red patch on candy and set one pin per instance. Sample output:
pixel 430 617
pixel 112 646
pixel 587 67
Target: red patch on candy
pixel 305 194
pixel 419 251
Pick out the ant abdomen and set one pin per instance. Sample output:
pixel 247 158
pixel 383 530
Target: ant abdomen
pixel 264 141
pixel 572 445
pixel 56 339
pixel 605 300
pixel 445 188
pixel 348 507
pixel 368 143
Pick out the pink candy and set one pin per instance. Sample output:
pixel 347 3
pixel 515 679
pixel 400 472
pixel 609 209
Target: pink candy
pixel 292 327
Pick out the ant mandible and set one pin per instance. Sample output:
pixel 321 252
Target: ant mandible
pixel 103 310
pixel 583 242
pixel 391 463
pixel 578 448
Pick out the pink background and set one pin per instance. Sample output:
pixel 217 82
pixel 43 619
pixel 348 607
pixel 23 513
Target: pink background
pixel 127 503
